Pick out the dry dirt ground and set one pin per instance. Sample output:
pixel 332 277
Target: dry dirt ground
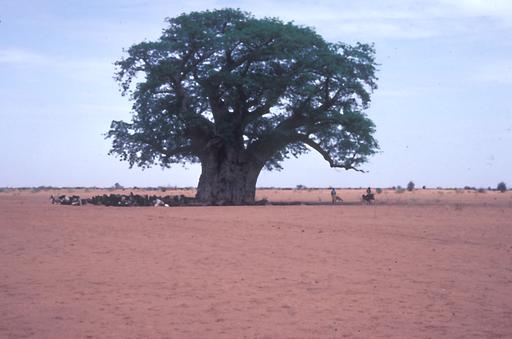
pixel 423 264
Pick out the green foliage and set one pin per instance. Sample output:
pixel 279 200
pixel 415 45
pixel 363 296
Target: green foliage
pixel 502 187
pixel 399 189
pixel 267 88
pixel 410 186
pixel 118 186
pixel 378 190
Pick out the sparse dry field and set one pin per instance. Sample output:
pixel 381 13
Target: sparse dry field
pixel 427 264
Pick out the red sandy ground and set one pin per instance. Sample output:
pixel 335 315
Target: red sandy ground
pixel 426 264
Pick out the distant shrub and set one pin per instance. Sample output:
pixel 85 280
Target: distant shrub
pixel 469 188
pixel 410 186
pixel 378 190
pixel 118 186
pixel 424 187
pixel 502 187
pixel 481 190
pixel 399 189
pixel 300 187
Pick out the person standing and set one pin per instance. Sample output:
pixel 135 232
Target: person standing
pixel 333 195
pixel 368 197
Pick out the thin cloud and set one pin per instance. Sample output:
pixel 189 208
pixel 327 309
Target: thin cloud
pixel 497 9
pixel 78 68
pixel 390 19
pixel 495 72
pixel 396 29
pixel 16 56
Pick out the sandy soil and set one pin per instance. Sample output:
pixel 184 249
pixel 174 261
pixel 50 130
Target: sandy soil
pixel 427 264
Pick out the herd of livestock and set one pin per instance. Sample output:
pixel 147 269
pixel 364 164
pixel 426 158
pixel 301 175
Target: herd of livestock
pixel 124 200
pixel 129 200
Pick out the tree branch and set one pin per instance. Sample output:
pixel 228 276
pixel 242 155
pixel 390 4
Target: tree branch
pixel 314 145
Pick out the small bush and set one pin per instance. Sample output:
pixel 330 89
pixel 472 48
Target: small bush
pixel 399 189
pixel 410 186
pixel 300 187
pixel 502 187
pixel 378 190
pixel 481 190
pixel 118 186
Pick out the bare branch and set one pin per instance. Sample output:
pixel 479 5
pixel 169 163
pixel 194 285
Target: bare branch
pixel 311 143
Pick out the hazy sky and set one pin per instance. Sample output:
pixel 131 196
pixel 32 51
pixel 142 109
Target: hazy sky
pixel 443 107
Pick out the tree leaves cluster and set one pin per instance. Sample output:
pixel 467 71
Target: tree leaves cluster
pixel 265 88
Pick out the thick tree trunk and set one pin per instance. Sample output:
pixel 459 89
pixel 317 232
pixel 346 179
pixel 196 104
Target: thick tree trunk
pixel 227 179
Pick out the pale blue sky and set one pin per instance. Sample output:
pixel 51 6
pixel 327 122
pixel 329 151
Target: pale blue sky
pixel 443 109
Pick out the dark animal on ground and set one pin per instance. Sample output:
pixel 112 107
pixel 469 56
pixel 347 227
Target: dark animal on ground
pixel 368 198
pixel 122 200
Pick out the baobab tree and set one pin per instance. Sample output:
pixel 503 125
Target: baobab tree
pixel 239 94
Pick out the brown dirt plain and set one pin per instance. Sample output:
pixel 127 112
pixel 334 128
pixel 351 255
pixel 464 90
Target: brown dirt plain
pixel 423 264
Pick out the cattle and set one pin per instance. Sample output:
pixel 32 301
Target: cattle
pixel 368 198
pixel 122 200
pixel 73 200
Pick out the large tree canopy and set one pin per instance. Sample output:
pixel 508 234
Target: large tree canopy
pixel 237 94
